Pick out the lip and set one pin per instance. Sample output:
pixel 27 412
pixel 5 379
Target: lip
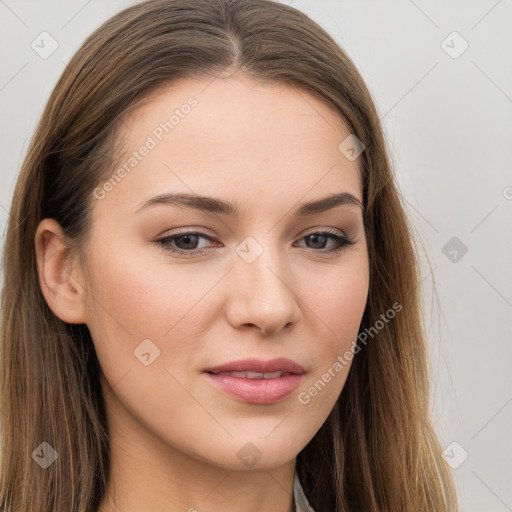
pixel 281 364
pixel 257 391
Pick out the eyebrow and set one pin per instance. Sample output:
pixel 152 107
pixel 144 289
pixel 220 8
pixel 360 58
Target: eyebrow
pixel 215 205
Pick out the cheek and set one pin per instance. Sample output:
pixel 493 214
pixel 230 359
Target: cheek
pixel 337 304
pixel 338 301
pixel 129 301
pixel 141 297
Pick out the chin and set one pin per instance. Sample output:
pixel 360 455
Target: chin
pixel 251 452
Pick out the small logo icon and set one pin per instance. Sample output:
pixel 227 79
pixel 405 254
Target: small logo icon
pixel 44 455
pixel 249 455
pixel 454 249
pixel 146 352
pixel 351 147
pixel 249 249
pixel 44 45
pixel 455 455
pixel 454 45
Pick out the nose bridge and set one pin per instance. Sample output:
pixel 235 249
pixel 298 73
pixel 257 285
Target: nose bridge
pixel 262 295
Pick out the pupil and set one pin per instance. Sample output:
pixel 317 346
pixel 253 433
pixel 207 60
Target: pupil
pixel 187 239
pixel 316 238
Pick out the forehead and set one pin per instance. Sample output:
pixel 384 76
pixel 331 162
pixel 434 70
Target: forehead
pixel 234 136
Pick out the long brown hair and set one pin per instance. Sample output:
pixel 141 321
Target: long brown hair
pixel 377 451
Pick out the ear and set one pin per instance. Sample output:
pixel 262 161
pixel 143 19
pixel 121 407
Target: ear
pixel 60 273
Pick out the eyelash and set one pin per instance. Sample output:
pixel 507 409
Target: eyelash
pixel 342 241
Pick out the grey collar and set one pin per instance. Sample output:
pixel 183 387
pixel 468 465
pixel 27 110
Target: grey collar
pixel 301 502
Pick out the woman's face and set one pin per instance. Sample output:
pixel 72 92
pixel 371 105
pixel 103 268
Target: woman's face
pixel 258 281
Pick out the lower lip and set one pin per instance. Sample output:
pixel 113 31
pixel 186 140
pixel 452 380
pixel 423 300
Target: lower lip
pixel 256 391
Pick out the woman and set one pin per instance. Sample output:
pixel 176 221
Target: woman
pixel 211 290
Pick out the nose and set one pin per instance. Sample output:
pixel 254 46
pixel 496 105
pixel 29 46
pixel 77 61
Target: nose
pixel 262 296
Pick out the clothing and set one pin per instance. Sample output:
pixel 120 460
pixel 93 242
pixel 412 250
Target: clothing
pixel 301 502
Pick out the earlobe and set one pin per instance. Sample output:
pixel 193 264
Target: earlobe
pixel 59 272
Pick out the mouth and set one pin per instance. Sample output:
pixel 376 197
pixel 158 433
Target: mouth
pixel 262 368
pixel 253 375
pixel 256 381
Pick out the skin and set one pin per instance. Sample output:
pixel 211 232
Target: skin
pixel 174 437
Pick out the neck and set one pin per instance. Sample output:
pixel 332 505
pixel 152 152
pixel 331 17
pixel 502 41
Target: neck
pixel 148 475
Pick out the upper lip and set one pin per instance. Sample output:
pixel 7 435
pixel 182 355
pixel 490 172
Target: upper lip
pixel 282 364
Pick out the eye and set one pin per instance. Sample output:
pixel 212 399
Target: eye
pixel 184 242
pixel 318 239
pixel 188 243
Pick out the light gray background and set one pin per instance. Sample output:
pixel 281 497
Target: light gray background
pixel 449 126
